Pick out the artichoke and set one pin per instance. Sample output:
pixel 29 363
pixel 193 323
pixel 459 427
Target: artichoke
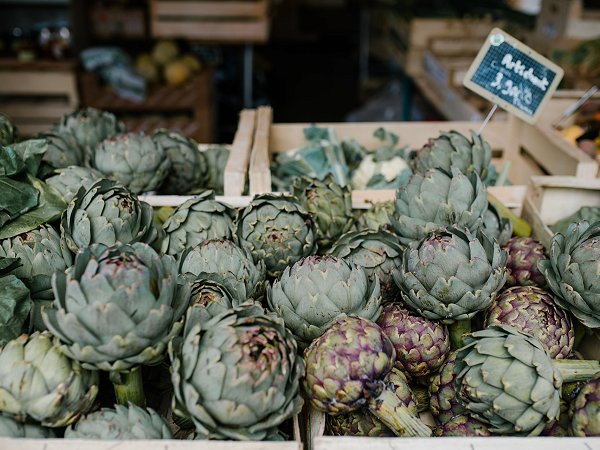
pixel 216 158
pixel 209 294
pixel 317 290
pixel 231 263
pixel 378 252
pixel 8 132
pixel 15 302
pixel 237 376
pixel 533 311
pixel 278 230
pixel 134 160
pixel 69 180
pixel 378 216
pixel 453 149
pixel 590 214
pixel 562 426
pixel 117 307
pixel 584 409
pixel 62 150
pixel 443 401
pixel 123 422
pixel 330 205
pixel 197 220
pixel 346 369
pixel 572 271
pixel 524 253
pixel 451 274
pixel 436 199
pixel 89 127
pixel 189 168
pixel 497 226
pixel 10 428
pixel 462 426
pixel 508 381
pixel 105 214
pixel 38 382
pixel 421 345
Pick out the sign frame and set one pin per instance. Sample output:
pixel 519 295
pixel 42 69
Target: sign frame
pixel 495 35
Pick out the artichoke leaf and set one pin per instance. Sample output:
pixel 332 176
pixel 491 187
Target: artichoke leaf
pixel 16 198
pixel 15 305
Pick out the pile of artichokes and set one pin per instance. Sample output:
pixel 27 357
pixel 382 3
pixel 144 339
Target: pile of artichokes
pixel 206 322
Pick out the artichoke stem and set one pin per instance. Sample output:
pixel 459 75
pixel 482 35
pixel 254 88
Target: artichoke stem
pixel 576 370
pixel 421 396
pixel 457 332
pixel 129 387
pixel 388 408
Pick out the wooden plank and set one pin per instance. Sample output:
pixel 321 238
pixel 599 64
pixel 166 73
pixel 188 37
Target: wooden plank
pixel 260 170
pixel 229 31
pixel 34 83
pixel 239 156
pixel 31 109
pixel 209 9
pixel 28 129
pixel 456 47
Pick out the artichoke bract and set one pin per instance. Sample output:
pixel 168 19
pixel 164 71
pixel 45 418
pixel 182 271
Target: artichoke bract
pixel 462 426
pixel 197 220
pixel 524 253
pixel 572 271
pixel 278 230
pixel 378 252
pixel 10 428
pixel 507 380
pixel 236 376
pixel 534 312
pixel 443 401
pixel 134 160
pixel 231 263
pixel 106 213
pixel 421 345
pixel 453 149
pixel 69 180
pixel 117 307
pixel 346 369
pixel 216 158
pixel 378 216
pixel 496 226
pixel 317 290
pixel 451 274
pixel 189 171
pixel 330 205
pixel 584 409
pixel 123 422
pixel 38 382
pixel 62 150
pixel 436 199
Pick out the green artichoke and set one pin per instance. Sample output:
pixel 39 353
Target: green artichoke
pixel 276 229
pixel 330 205
pixel 237 376
pixel 10 428
pixel 584 409
pixel 562 426
pixel 497 226
pixel 453 149
pixel 346 369
pixel 590 214
pixel 15 302
pixel 443 401
pixel 524 253
pixel 189 168
pixel 62 150
pixel 508 381
pixel 421 345
pixel 313 293
pixel 436 199
pixel 533 311
pixel 89 127
pixel 462 426
pixel 572 271
pixel 105 214
pixel 8 132
pixel 210 295
pixel 378 252
pixel 69 180
pixel 117 307
pixel 195 221
pixel 123 422
pixel 451 275
pixel 216 158
pixel 38 382
pixel 134 160
pixel 231 263
pixel 378 216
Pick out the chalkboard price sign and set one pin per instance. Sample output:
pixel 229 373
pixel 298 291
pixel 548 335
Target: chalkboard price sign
pixel 513 76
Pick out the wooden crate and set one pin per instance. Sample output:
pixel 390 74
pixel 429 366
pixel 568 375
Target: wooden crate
pixel 238 21
pixel 188 108
pixel 36 94
pixel 551 199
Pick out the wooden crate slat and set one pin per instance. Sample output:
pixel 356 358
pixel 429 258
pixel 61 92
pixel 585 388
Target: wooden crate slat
pixel 239 156
pixel 208 9
pixel 35 110
pixel 37 83
pixel 260 180
pixel 230 31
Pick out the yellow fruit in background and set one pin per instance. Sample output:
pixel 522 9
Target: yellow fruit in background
pixel 176 73
pixel 147 68
pixel 192 62
pixel 165 52
pixel 572 133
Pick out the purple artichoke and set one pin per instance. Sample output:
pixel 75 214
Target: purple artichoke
pixel 462 426
pixel 421 344
pixel 442 392
pixel 346 369
pixel 523 256
pixel 585 409
pixel 534 312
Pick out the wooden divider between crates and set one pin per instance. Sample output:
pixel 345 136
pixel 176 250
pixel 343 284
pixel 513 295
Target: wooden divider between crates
pixel 239 156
